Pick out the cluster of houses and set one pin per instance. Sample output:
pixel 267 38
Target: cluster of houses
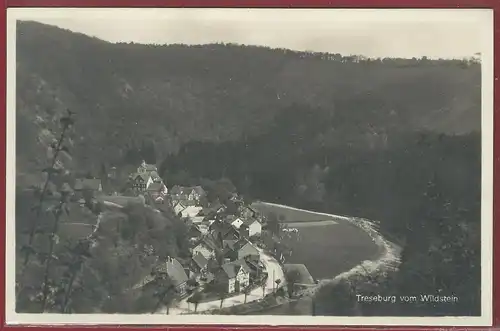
pixel 222 250
pixel 221 238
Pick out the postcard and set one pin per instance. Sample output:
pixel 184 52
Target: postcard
pixel 249 166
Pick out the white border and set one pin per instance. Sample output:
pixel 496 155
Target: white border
pixel 485 20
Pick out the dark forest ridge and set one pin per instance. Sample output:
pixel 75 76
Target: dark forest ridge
pixel 130 98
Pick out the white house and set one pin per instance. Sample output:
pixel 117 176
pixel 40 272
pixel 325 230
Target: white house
pixel 237 222
pixel 235 276
pixel 190 211
pixel 205 250
pixel 253 227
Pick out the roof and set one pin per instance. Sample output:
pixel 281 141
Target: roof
pixel 231 269
pixel 200 260
pixel 208 242
pixel 176 272
pixel 249 221
pixel 223 228
pixel 185 190
pixel 194 227
pixel 191 210
pixel 144 176
pixel 248 247
pixel 87 184
pixel 230 218
pixel 229 243
pixel 149 167
pixel 180 204
pixel 155 187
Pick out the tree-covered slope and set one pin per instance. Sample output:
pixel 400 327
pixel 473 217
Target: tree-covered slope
pixel 132 97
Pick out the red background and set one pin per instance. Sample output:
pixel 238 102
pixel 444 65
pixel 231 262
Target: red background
pixel 493 4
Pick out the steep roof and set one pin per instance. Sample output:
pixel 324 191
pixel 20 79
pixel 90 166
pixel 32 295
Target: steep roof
pixel 143 176
pixel 249 221
pixel 231 269
pixel 87 184
pixel 230 243
pixel 155 187
pixel 200 260
pixel 176 272
pixel 249 249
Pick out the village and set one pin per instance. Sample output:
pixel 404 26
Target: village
pixel 234 256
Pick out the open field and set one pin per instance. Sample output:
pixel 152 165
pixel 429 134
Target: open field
pixel 327 250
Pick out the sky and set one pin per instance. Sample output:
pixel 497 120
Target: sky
pixel 374 33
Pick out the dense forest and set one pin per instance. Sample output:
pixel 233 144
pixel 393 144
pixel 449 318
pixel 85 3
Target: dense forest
pixel 392 140
pixel 218 93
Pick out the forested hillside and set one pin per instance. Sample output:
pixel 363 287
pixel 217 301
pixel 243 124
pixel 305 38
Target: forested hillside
pixel 131 98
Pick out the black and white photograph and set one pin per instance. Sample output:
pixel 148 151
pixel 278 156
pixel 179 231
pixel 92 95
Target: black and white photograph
pixel 249 166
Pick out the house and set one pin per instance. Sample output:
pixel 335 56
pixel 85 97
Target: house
pixel 157 191
pixel 257 268
pixel 247 211
pixel 234 276
pixel 194 193
pixel 146 168
pixel 88 184
pixel 223 231
pixel 213 209
pixel 200 262
pixel 194 231
pixel 248 250
pixel 140 182
pixel 146 175
pixel 251 227
pixel 204 248
pixel 190 211
pixel 179 207
pixel 177 275
pixel 236 222
pixel 231 248
pixel 199 267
